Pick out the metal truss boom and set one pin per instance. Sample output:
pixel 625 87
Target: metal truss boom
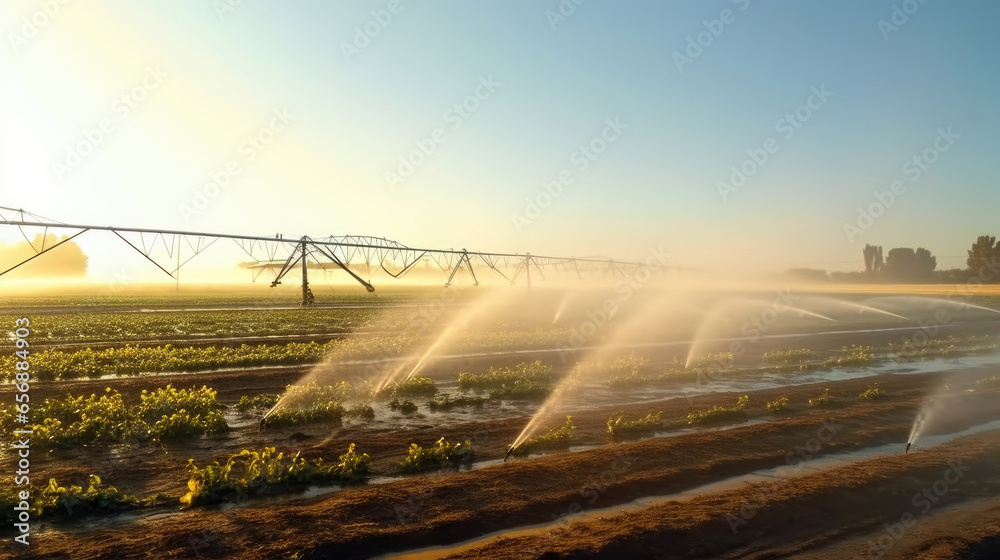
pixel 345 252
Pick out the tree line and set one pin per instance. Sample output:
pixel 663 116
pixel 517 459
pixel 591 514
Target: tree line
pixel 907 265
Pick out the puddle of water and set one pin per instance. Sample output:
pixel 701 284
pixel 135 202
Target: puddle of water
pixel 103 522
pixel 384 479
pixel 482 464
pixel 599 395
pixel 654 435
pixel 783 472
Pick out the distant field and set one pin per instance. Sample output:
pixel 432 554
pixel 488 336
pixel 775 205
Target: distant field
pixel 937 290
pixel 235 296
pixel 90 325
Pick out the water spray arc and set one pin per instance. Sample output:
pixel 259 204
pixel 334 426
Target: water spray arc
pixel 405 371
pixel 937 301
pixel 636 325
pixel 802 312
pixel 563 304
pixel 717 314
pixel 863 308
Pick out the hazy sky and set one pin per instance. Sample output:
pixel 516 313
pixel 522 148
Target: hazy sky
pixel 504 95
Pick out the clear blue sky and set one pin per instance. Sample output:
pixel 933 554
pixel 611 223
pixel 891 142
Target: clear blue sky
pixel 353 117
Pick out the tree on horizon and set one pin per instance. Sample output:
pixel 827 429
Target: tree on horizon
pixel 68 260
pixel 873 260
pixel 985 252
pixel 906 265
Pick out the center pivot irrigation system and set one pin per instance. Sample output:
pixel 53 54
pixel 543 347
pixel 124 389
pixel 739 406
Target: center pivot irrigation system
pixel 361 252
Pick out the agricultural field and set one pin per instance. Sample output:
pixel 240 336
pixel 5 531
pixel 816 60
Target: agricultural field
pixel 387 437
pixel 559 280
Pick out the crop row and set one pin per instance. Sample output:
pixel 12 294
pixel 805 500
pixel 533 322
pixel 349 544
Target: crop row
pixel 528 381
pixel 558 437
pixel 257 471
pixel 49 365
pixel 242 474
pixel 165 413
pixel 635 371
pixel 152 301
pixel 127 327
pixel 54 500
pixel 312 402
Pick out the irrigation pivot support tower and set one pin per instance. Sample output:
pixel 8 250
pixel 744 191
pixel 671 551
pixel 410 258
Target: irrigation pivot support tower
pixel 350 253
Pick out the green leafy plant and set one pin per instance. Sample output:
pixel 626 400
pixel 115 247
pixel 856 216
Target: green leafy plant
pixel 406 407
pixel 633 372
pixel 53 500
pixel 521 390
pixel 75 500
pixel 311 402
pixel 185 424
pixel 313 394
pixel 85 323
pixel 173 413
pixel 361 411
pixel 786 355
pixel 261 402
pixel 629 370
pixel 268 468
pixel 283 417
pixel 825 399
pixel 989 381
pixel 352 465
pixel 717 360
pixel 416 386
pixel 619 427
pixel 75 420
pixel 161 414
pixel 941 347
pixel 525 381
pixel 719 413
pixel 789 359
pixel 51 365
pixel 778 405
pixel 853 355
pixel 558 437
pixel 873 393
pixel 442 454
